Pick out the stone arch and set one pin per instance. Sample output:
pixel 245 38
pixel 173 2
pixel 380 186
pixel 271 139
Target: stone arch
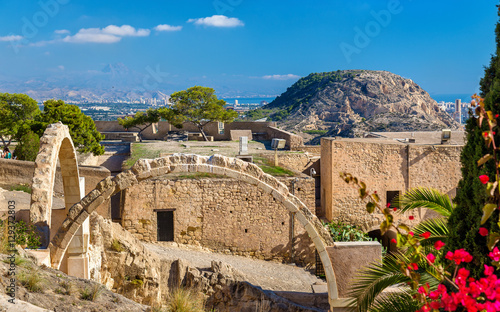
pixel 55 144
pixel 145 169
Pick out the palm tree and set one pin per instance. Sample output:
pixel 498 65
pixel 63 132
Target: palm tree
pixel 370 282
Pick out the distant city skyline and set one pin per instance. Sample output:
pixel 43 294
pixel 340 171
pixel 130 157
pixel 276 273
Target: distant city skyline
pixel 240 47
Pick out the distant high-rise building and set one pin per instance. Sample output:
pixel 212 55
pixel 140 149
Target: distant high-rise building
pixel 235 102
pixel 458 110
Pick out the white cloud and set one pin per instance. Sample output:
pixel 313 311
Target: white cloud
pixel 217 21
pixel 165 27
pixel 61 67
pixel 125 31
pixel 11 38
pixel 281 77
pixel 61 32
pixel 109 34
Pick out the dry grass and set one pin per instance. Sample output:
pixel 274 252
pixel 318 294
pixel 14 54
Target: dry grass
pixel 32 280
pixel 186 300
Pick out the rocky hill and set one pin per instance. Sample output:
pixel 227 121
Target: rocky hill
pixel 352 102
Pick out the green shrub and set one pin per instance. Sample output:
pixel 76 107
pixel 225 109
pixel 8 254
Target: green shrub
pixel 117 246
pixel 137 282
pixel 27 235
pixel 320 132
pixel 341 232
pixel 21 187
pixel 28 147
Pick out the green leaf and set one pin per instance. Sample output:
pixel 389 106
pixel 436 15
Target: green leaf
pixel 384 226
pixel 404 227
pixel 484 159
pixel 493 239
pixel 375 197
pixel 370 207
pixel 429 198
pixel 362 192
pixel 487 211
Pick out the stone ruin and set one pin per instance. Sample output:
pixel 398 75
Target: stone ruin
pixel 69 242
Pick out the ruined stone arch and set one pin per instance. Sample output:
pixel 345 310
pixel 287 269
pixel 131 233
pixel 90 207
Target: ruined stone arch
pixel 145 169
pixel 55 144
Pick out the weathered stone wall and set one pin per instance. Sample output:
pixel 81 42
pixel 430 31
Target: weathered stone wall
pixel 222 214
pixel 383 167
pixel 292 141
pixel 14 172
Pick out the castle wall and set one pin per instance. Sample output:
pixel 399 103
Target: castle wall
pixel 224 215
pixel 383 167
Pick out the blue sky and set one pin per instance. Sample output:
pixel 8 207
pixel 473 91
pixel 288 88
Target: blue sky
pixel 252 46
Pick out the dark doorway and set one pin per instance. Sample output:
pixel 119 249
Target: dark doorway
pixel 116 210
pixel 165 226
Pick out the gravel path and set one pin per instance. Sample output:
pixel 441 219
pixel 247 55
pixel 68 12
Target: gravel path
pixel 266 274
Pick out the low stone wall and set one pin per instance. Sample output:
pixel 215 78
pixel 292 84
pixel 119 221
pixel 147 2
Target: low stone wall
pixel 224 215
pixel 14 172
pixel 292 141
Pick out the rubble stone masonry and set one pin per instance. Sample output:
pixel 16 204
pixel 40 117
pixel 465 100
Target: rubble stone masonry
pixel 222 214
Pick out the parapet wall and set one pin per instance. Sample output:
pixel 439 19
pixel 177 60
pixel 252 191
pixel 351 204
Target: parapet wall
pixel 222 214
pixel 260 131
pixel 13 172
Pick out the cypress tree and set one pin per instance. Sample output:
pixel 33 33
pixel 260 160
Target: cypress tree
pixel 464 223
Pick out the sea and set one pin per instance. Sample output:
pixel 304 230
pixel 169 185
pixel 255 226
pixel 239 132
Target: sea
pixel 255 100
pixel 466 98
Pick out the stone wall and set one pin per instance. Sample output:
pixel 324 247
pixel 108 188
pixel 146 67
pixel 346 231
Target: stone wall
pixel 13 172
pixel 383 167
pixel 225 215
pixel 292 141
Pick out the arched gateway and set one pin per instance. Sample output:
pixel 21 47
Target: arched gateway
pixel 56 143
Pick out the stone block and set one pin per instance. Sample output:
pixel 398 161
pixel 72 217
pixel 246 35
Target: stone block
pixel 96 203
pixel 82 217
pixel 124 180
pixel 348 257
pixel 74 211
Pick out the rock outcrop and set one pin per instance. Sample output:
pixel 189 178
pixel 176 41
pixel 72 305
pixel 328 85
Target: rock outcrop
pixel 352 102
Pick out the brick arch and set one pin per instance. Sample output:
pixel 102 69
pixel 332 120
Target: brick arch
pixel 145 169
pixel 55 144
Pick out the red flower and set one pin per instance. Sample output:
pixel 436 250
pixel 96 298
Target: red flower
pixel 495 254
pixel 459 256
pixel 483 231
pixel 414 266
pixel 439 244
pixel 410 233
pixel 431 258
pixel 395 208
pixel 488 270
pixel 484 178
pixel 388 205
pixel 426 235
pixel 394 241
pixel 485 134
pixel 411 217
pixel 496 116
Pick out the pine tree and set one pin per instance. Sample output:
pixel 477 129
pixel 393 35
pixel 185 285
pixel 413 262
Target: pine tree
pixel 471 196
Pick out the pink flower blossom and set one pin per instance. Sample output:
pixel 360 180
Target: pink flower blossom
pixel 431 258
pixel 495 254
pixel 483 231
pixel 459 256
pixel 484 178
pixel 439 244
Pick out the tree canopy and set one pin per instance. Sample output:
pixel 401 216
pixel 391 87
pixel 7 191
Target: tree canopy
pixel 141 120
pixel 16 113
pixel 82 128
pixel 464 222
pixel 198 105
